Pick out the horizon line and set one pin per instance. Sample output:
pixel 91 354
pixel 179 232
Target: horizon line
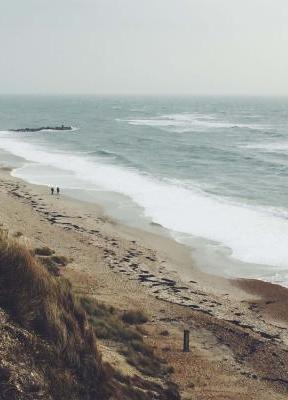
pixel 147 94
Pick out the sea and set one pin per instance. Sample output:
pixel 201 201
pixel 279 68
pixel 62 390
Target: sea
pixel 212 172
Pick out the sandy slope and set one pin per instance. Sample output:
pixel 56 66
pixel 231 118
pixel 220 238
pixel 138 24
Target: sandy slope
pixel 239 341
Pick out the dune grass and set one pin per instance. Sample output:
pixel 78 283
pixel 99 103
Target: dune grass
pixel 43 251
pixel 63 332
pixel 110 324
pixel 53 263
pixel 134 317
pixel 44 304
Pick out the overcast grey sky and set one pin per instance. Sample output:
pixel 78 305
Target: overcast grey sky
pixel 144 47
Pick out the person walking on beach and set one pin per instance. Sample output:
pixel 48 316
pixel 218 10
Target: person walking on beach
pixel 58 190
pixel 52 190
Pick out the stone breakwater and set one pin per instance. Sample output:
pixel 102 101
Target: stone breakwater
pixel 44 128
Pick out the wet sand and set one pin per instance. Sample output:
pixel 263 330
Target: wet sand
pixel 239 341
pixel 272 302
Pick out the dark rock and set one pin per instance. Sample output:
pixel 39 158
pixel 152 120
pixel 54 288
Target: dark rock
pixel 42 128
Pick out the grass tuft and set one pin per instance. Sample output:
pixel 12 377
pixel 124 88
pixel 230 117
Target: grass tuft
pixel 45 305
pixel 134 317
pixel 109 324
pixel 53 263
pixel 63 328
pixel 43 251
pixel 60 260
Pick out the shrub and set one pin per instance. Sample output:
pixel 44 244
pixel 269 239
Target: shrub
pixel 134 317
pixel 110 325
pixel 107 323
pixel 60 260
pixel 53 263
pixel 148 365
pixel 142 348
pixel 49 265
pixel 43 251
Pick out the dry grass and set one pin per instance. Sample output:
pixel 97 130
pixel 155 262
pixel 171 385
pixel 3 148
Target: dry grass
pixel 43 251
pixel 60 260
pixel 109 324
pixel 54 263
pixel 135 388
pixel 62 345
pixel 134 317
pixel 45 304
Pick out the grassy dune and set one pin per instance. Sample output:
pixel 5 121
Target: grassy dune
pixel 45 305
pixel 48 338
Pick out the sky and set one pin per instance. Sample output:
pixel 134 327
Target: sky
pixel 181 47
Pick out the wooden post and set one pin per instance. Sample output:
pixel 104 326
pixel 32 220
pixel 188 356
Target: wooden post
pixel 186 341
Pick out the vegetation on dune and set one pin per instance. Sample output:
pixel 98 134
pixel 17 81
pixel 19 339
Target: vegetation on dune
pixel 107 322
pixel 134 317
pixel 45 305
pixel 111 324
pixel 43 251
pixel 48 336
pixel 54 263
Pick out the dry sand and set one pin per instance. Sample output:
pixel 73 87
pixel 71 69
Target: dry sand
pixel 239 341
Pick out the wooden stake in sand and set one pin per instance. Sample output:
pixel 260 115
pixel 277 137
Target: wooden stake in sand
pixel 186 341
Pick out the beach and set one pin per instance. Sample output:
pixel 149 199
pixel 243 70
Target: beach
pixel 170 162
pixel 143 200
pixel 238 328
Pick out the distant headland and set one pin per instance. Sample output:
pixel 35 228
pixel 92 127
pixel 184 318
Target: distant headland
pixel 44 128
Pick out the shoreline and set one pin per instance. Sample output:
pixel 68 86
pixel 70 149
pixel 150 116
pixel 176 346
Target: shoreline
pixel 175 253
pixel 132 268
pixel 211 258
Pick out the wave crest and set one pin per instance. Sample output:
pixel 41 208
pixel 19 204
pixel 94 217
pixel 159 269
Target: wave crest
pixel 255 235
pixel 182 123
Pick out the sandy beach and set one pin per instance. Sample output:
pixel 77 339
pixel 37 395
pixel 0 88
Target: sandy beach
pixel 238 329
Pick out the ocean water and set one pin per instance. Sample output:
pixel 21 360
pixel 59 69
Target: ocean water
pixel 213 171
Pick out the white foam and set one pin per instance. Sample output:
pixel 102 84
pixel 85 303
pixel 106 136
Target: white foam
pixel 269 147
pixel 190 122
pixel 5 132
pixel 254 235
